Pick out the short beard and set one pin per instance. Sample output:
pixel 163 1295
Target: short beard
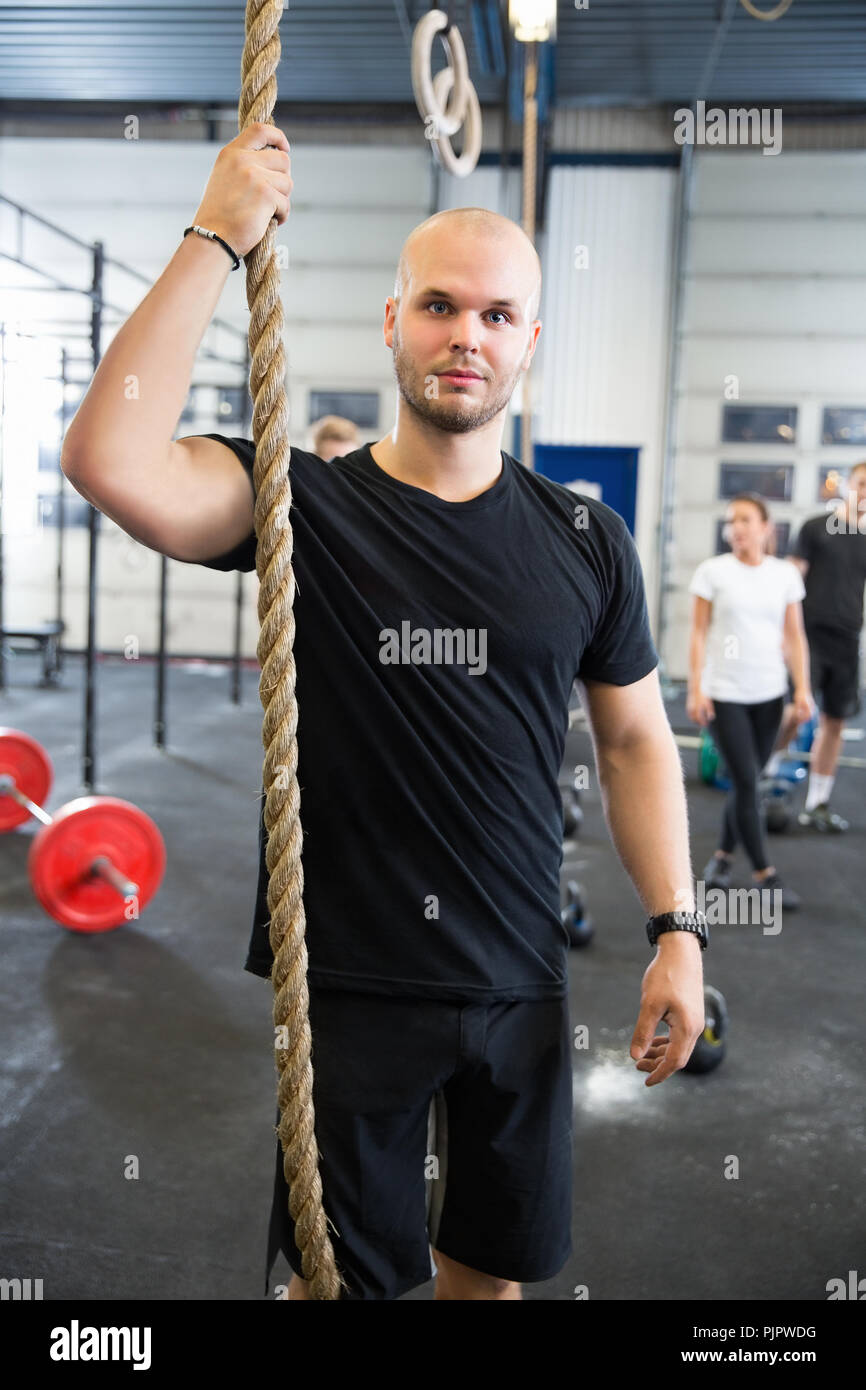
pixel 434 409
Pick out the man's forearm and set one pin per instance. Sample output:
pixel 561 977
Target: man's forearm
pixel 132 407
pixel 645 808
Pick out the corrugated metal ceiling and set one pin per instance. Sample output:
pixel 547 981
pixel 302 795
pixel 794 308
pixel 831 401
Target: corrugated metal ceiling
pixel 336 52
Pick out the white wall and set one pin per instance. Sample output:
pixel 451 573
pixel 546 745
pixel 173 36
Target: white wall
pixel 776 293
pixel 352 208
pixel 598 376
pixel 604 364
pixel 776 297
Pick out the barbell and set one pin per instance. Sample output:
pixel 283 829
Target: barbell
pixel 794 755
pixel 578 716
pixel 97 862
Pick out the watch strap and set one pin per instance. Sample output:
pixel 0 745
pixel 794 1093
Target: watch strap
pixel 693 922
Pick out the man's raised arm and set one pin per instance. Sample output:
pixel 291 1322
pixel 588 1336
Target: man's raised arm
pixel 191 498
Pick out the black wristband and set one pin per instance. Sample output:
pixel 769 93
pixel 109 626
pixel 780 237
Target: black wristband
pixel 202 231
pixel 694 922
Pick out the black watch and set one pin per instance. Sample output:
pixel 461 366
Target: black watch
pixel 694 922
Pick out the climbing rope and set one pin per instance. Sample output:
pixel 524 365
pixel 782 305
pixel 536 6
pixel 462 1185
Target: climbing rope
pixel 261 56
pixel 530 183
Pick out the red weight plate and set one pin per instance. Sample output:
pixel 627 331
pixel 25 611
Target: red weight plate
pixel 23 759
pixel 62 853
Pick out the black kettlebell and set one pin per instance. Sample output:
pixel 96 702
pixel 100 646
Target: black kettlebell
pixel 777 807
pixel 710 1046
pixel 574 917
pixel 572 814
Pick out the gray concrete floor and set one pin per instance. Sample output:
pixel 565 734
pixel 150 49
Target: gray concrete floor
pixel 152 1041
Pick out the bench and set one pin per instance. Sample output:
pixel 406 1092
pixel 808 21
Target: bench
pixel 45 635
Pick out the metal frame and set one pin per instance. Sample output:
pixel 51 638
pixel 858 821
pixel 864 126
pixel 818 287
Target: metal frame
pixel 99 305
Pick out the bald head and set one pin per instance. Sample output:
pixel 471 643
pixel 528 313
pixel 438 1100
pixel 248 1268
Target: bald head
pixel 467 233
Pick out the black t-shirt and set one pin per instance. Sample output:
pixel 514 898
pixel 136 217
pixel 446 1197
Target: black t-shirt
pixel 436 646
pixel 836 575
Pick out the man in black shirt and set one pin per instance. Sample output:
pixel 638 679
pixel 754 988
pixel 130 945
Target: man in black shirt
pixel 831 553
pixel 447 598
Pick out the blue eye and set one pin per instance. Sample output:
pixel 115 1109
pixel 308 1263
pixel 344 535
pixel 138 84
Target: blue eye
pixel 433 302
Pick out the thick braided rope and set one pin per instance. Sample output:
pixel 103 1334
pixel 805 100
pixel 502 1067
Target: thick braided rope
pixel 530 147
pixel 277 689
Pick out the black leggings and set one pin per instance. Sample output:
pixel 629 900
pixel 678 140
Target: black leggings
pixel 744 735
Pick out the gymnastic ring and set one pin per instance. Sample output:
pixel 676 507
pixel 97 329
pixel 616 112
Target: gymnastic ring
pixel 446 121
pixel 776 13
pixel 462 165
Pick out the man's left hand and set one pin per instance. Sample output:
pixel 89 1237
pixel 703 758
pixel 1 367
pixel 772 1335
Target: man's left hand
pixel 673 991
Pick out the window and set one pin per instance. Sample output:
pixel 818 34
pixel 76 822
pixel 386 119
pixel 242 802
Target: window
pixel 844 426
pixel 831 482
pixel 49 457
pixel 783 538
pixel 189 410
pixel 232 404
pixel 362 407
pixel 759 424
pixel 775 482
pixel 76 511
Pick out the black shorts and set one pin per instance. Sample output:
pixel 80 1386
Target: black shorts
pixel 835 673
pixel 497 1192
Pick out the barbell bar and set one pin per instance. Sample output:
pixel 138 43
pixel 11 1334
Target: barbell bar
pixel 74 858
pixel 578 716
pixel 794 755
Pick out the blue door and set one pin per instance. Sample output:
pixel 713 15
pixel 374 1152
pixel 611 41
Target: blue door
pixel 614 469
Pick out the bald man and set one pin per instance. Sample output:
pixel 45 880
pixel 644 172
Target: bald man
pixel 447 599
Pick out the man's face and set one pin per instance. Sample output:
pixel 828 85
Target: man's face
pixel 857 489
pixel 461 334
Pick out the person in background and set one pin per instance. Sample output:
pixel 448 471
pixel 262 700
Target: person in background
pixel 746 616
pixel 830 553
pixel 334 437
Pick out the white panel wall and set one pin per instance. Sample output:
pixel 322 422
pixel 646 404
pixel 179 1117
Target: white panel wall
pixel 604 365
pixel 776 297
pixel 352 208
pixel 599 372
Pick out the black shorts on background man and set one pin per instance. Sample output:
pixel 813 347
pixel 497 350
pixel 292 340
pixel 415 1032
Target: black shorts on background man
pixel 833 611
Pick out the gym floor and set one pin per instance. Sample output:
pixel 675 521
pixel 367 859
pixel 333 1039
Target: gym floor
pixel 153 1041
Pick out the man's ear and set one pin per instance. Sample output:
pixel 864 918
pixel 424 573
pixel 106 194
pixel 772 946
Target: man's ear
pixel 390 316
pixel 534 331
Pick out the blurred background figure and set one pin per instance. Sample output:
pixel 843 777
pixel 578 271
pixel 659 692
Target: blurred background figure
pixel 746 621
pixel 333 436
pixel 831 555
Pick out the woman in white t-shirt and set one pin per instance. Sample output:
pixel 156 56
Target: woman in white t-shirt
pixel 746 615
